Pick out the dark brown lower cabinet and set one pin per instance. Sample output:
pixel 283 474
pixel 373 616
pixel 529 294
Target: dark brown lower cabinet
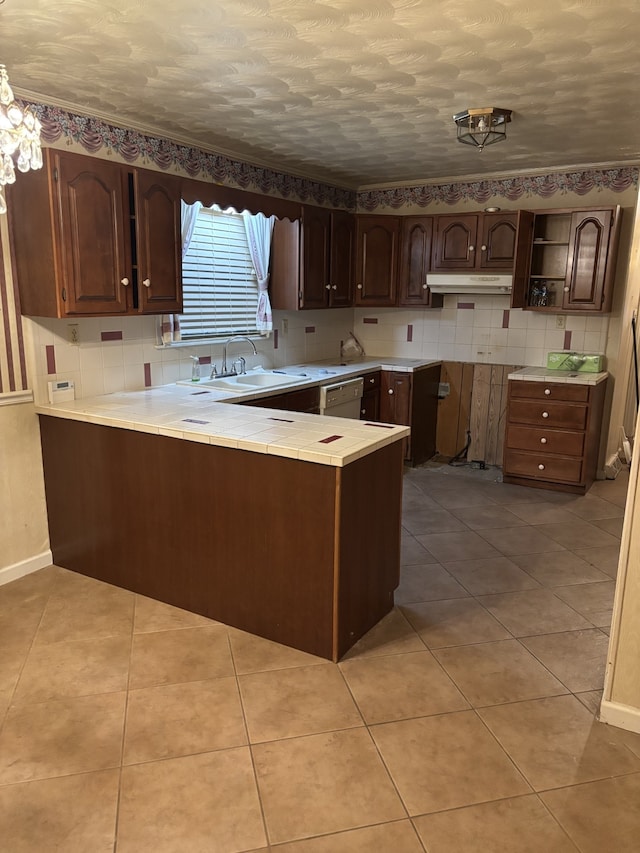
pixel 411 399
pixel 303 554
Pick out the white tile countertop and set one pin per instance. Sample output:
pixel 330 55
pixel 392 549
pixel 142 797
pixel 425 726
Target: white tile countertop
pixel 197 413
pixel 542 374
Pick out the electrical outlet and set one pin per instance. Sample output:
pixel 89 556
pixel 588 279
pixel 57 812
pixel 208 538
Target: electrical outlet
pixel 561 321
pixel 74 334
pixel 285 326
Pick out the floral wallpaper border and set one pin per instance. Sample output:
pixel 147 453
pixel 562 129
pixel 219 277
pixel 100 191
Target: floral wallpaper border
pixel 94 134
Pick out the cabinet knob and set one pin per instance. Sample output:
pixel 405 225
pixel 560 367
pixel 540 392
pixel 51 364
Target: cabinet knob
pixel 566 289
pixel 547 391
pixel 543 441
pixel 484 248
pixel 472 248
pixel 359 286
pixel 541 467
pixel 390 391
pixel 147 282
pixel 327 287
pixel 334 287
pixel 362 411
pixel 424 286
pixel 124 281
pixel 372 381
pixel 545 414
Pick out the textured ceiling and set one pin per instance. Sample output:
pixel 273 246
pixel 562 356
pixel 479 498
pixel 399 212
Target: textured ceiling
pixel 351 92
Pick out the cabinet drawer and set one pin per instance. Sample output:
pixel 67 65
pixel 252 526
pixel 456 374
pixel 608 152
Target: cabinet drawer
pixel 545 440
pixel 549 391
pixel 371 381
pixel 547 413
pixel 540 466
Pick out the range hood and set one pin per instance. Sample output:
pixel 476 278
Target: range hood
pixel 456 282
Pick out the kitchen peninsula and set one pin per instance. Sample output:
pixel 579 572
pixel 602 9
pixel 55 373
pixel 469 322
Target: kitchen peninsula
pixel 283 524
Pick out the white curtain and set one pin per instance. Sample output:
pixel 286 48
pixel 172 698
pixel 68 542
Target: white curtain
pixel 259 229
pixel 169 324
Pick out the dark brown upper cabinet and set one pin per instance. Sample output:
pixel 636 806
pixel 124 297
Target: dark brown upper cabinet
pixel 377 247
pixel 91 237
pixel 415 257
pixel 474 241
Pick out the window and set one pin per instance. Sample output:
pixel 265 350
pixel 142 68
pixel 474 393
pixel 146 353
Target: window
pixel 220 289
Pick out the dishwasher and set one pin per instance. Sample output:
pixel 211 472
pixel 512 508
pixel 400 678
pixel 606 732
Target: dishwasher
pixel 342 399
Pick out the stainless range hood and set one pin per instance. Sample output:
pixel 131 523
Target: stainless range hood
pixel 469 283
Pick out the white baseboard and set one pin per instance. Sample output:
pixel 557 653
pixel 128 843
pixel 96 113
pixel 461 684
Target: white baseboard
pixel 25 567
pixel 622 716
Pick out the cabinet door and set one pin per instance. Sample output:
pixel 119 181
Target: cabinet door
pixel 316 224
pixel 415 258
pixel 497 241
pixel 455 241
pixel 587 260
pixel 377 260
pixel 93 238
pixel 159 243
pixel 343 241
pixel 395 398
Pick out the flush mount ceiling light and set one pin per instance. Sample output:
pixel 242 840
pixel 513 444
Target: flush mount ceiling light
pixel 19 137
pixel 482 126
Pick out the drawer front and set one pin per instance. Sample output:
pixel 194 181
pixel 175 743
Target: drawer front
pixel 549 391
pixel 539 466
pixel 547 413
pixel 371 380
pixel 545 441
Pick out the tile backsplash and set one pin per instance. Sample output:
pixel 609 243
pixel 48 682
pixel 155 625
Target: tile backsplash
pixel 121 353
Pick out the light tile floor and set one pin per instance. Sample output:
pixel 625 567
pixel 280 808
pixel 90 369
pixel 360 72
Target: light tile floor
pixel 463 723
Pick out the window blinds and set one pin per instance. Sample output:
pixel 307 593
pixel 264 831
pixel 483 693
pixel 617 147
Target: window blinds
pixel 220 290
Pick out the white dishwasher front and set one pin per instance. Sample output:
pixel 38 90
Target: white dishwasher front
pixel 342 399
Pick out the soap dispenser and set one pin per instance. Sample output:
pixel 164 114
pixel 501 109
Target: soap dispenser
pixel 195 368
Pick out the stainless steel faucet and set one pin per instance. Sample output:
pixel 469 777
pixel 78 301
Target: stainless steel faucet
pixel 224 371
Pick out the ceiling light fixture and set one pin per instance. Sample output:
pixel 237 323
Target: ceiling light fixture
pixel 483 126
pixel 19 137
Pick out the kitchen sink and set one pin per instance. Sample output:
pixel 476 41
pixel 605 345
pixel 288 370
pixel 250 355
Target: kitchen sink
pixel 262 380
pixel 243 382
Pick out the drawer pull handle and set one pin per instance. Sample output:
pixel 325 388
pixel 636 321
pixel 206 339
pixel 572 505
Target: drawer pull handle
pixel 543 441
pixel 541 467
pixel 545 414
pixel 372 381
pixel 390 391
pixel 124 281
pixel 547 391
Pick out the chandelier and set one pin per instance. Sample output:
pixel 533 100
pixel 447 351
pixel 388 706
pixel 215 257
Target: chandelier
pixel 19 138
pixel 483 126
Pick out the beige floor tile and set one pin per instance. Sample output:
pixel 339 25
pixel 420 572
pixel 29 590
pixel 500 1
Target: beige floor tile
pixel 79 668
pixel 427 583
pixel 577 658
pixel 561 568
pixel 323 784
pixel 183 719
pixel 81 608
pixel 447 547
pixel 453 623
pixel 494 673
pixel 557 742
pixel 493 574
pixel 594 601
pixel 486 517
pixel 535 611
pixel 19 619
pixel 542 513
pixel 74 814
pixel 579 535
pixel 605 559
pixel 201 804
pixel 431 775
pixel 12 660
pixel 188 654
pixel 439 520
pixel 518 825
pixel 392 635
pixel 600 816
pixel 304 700
pixel 31 587
pixel 61 738
pixel 521 540
pixel 151 615
pixel 414 686
pixel 396 837
pixel 411 551
pixel 591 700
pixel 255 654
pixel 610 525
pixel 590 507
